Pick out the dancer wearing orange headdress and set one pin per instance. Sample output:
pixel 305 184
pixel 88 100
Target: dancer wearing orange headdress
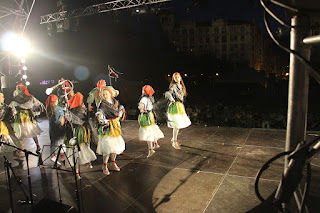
pixel 149 130
pixel 6 131
pixel 80 129
pixel 56 118
pixel 177 117
pixel 110 143
pixel 95 96
pixel 24 106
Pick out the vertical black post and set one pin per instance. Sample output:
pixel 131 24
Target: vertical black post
pixel 7 166
pixel 76 180
pixel 29 178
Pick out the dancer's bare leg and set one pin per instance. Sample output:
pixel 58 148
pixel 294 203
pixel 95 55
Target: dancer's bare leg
pixel 77 171
pixel 113 160
pixel 105 164
pixel 150 148
pixel 155 145
pixel 37 143
pixel 175 143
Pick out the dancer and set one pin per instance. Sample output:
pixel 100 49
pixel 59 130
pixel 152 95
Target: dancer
pixel 23 106
pixel 65 92
pixel 177 117
pixel 149 130
pixel 80 129
pixel 56 118
pixel 110 143
pixel 6 131
pixel 96 96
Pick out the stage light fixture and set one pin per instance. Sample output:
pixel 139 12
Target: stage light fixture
pixel 27 83
pixel 23 60
pixel 60 26
pixel 24 76
pixel 25 68
pixel 15 44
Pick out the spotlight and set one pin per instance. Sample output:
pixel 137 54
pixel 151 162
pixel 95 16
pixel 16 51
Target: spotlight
pixel 27 83
pixel 23 60
pixel 24 76
pixel 24 68
pixel 217 74
pixel 15 44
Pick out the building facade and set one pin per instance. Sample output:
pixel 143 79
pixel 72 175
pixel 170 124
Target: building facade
pixel 239 42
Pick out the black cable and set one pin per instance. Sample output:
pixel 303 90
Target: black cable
pixel 294 9
pixel 306 188
pixel 273 15
pixel 262 169
pixel 312 71
pixel 286 6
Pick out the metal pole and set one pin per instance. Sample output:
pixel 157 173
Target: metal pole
pixel 298 85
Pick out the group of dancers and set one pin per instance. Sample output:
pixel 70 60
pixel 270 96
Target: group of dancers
pixel 72 126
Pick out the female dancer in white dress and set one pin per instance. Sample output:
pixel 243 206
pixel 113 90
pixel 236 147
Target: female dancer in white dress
pixel 110 142
pixel 149 130
pixel 23 106
pixel 177 117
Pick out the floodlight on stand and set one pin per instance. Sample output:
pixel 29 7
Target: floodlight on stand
pixel 24 68
pixel 27 83
pixel 24 76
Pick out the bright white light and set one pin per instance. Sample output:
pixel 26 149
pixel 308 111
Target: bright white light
pixel 23 60
pixel 24 76
pixel 15 44
pixel 27 83
pixel 287 74
pixel 217 74
pixel 137 10
pixel 49 91
pixel 24 68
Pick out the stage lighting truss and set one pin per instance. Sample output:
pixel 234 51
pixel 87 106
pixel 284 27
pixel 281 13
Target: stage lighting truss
pixel 14 17
pixel 98 8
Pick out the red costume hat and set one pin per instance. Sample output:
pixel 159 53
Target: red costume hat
pixel 23 89
pixel 76 100
pixel 51 99
pixel 148 90
pixel 100 85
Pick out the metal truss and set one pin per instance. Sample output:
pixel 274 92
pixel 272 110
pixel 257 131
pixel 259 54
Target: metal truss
pixel 98 8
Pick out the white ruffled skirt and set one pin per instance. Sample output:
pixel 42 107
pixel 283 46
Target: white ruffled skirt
pixel 178 121
pixel 108 145
pixel 150 133
pixel 85 155
pixel 27 130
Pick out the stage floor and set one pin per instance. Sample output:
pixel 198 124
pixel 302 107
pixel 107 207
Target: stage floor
pixel 213 172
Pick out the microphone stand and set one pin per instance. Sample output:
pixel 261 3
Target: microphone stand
pixel 73 147
pixel 29 200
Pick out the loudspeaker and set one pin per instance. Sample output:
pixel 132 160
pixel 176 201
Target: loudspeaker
pixel 50 206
